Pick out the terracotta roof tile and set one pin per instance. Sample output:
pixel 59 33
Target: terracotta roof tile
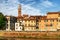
pixel 53 13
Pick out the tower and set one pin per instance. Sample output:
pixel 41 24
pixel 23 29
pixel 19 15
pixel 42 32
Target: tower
pixel 19 10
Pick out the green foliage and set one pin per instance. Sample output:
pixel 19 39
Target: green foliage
pixel 2 21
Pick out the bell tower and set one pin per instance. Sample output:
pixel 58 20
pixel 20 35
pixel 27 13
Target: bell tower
pixel 19 10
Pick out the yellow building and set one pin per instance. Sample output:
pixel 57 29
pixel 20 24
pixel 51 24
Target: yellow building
pixel 58 28
pixel 50 22
pixel 53 14
pixel 46 24
pixel 29 23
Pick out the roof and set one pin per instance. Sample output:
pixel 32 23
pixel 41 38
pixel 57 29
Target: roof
pixel 36 17
pixel 48 18
pixel 25 15
pixel 53 13
pixel 19 17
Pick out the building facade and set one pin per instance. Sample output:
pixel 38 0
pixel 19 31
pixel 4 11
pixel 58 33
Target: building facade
pixel 10 25
pixel 50 22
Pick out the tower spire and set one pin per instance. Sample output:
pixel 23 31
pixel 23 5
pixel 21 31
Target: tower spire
pixel 19 10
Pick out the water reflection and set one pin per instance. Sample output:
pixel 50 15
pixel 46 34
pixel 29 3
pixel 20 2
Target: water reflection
pixel 30 39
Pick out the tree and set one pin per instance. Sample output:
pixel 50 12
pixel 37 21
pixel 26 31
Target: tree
pixel 2 21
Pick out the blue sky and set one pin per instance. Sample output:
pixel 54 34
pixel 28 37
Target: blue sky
pixel 30 7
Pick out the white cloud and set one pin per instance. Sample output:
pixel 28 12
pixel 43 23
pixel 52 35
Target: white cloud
pixel 27 0
pixel 47 3
pixel 11 8
pixel 30 10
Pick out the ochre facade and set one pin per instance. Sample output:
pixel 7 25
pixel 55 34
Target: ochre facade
pixel 40 23
pixel 50 22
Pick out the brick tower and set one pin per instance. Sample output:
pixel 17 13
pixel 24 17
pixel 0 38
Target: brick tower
pixel 19 10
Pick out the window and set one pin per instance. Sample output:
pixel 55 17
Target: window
pixel 20 24
pixel 20 27
pixel 37 20
pixel 16 28
pixel 37 27
pixel 45 20
pixel 25 24
pixel 51 25
pixel 31 21
pixel 7 26
pixel 59 15
pixel 46 25
pixel 52 20
pixel 59 20
pixel 40 20
pixel 16 24
pixel 28 24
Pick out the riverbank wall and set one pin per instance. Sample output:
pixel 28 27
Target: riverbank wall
pixel 29 34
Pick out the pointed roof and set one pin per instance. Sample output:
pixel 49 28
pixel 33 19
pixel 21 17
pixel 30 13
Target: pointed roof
pixel 19 6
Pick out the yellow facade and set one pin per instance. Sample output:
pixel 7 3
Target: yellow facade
pixel 58 23
pixel 50 22
pixel 52 14
pixel 48 25
pixel 45 23
pixel 29 28
pixel 29 24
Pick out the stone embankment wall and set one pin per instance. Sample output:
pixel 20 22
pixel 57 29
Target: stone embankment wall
pixel 28 34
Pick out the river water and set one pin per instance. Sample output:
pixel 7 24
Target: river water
pixel 30 39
